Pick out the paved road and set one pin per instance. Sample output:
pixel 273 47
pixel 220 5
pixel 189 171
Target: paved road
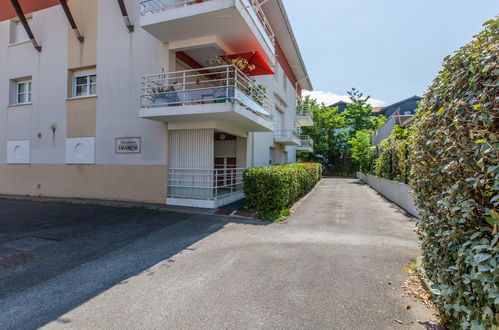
pixel 336 264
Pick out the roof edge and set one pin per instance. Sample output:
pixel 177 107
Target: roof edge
pixel 295 43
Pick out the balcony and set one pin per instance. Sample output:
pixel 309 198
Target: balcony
pixel 304 115
pixel 220 97
pixel 207 188
pixel 306 144
pixel 289 137
pixel 241 25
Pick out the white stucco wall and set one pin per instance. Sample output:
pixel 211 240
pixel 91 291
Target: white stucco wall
pixel 397 192
pixel 48 70
pixel 122 58
pixel 264 141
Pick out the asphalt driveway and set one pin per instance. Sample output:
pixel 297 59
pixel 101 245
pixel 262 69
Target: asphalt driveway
pixel 336 264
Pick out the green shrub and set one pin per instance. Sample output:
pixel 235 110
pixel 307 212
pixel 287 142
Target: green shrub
pixel 362 151
pixel 271 189
pixel 456 183
pixel 392 158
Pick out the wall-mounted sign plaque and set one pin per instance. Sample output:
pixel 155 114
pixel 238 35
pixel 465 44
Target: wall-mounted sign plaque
pixel 129 145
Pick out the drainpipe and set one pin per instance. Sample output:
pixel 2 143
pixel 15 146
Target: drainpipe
pixel 65 7
pixel 22 18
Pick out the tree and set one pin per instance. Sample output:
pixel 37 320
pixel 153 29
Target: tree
pixel 332 131
pixel 324 132
pixel 358 113
pixel 361 151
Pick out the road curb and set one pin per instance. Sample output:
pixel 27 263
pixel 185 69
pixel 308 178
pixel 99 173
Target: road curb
pixel 122 204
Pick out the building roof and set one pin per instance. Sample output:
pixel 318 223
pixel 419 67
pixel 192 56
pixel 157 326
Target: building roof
pixel 281 26
pixel 394 105
pixel 338 104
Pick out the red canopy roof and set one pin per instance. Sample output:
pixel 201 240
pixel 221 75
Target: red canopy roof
pixel 254 58
pixel 28 6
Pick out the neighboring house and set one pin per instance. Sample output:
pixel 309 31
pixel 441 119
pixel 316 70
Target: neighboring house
pixel 405 107
pixel 401 113
pixel 342 105
pixel 116 99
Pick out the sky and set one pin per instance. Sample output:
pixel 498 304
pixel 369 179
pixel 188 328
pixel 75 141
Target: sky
pixel 388 49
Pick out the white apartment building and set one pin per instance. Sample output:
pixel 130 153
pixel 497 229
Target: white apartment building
pixel 120 99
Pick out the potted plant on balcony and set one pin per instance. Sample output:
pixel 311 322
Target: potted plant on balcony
pixel 239 62
pixel 258 94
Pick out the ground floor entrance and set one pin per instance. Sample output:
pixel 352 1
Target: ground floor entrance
pixel 206 168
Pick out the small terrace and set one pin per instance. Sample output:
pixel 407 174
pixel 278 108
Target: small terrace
pixel 206 188
pixel 290 137
pixel 304 115
pixel 306 144
pixel 240 24
pixel 220 96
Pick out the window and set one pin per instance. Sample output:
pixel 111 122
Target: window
pixel 284 82
pixel 23 92
pixel 17 32
pixel 85 85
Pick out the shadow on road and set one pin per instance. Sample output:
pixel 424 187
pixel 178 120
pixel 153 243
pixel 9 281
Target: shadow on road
pixel 84 251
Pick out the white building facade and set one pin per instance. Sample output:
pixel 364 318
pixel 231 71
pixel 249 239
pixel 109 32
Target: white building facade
pixel 142 113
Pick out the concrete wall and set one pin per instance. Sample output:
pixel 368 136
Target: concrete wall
pixel 398 193
pixel 143 183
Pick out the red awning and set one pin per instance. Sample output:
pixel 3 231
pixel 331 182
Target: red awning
pixel 254 58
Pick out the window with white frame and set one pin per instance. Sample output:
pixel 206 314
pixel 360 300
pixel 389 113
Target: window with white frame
pixel 23 92
pixel 84 85
pixel 284 82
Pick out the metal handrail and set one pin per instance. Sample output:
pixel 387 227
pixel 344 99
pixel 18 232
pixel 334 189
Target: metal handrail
pixel 304 110
pixel 152 6
pixel 257 8
pixel 306 141
pixel 287 133
pixel 216 84
pixel 204 184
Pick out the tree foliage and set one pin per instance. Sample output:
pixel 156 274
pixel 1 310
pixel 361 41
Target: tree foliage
pixel 456 182
pixel 362 151
pixel 332 131
pixel 358 114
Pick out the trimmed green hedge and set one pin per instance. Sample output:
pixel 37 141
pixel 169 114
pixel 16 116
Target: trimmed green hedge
pixel 274 188
pixel 455 177
pixel 391 159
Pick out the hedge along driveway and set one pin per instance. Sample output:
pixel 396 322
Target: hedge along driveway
pixel 456 183
pixel 274 188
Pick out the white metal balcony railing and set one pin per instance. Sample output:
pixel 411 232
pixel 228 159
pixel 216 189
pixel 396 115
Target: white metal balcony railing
pixel 287 134
pixel 151 6
pixel 204 184
pixel 306 141
pixel 304 110
pixel 220 84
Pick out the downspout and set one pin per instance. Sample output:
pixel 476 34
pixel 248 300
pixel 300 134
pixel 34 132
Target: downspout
pixel 128 24
pixel 22 18
pixel 65 7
